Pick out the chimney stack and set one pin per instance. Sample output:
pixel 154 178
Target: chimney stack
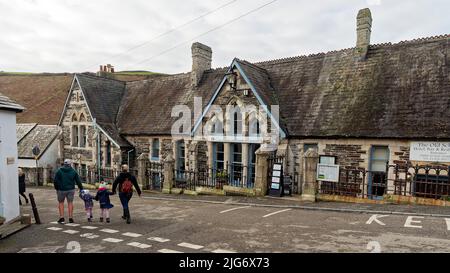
pixel 105 71
pixel 201 61
pixel 363 30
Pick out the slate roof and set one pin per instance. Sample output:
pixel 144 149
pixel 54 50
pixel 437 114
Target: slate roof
pixel 400 91
pixel 41 135
pixel 43 95
pixel 103 97
pixel 8 104
pixel 147 105
pixel 23 129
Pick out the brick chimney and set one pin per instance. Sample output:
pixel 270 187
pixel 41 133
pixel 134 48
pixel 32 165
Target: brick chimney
pixel 363 31
pixel 106 71
pixel 201 61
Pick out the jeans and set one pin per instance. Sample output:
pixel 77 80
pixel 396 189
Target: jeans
pixel 124 199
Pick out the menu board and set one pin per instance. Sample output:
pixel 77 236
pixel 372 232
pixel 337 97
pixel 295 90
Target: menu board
pixel 276 180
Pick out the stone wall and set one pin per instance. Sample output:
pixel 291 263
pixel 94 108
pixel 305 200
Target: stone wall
pixel 348 156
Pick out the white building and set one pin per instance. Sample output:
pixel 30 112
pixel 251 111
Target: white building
pixel 9 186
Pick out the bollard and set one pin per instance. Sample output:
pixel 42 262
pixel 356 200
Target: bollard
pixel 35 211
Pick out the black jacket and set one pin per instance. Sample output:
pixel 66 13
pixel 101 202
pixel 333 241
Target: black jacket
pixel 22 183
pixel 121 178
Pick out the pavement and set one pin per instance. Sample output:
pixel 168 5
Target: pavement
pixel 227 224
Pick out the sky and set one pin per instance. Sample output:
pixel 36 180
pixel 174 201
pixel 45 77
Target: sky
pixel 79 35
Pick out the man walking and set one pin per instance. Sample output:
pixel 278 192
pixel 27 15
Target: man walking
pixel 126 181
pixel 65 179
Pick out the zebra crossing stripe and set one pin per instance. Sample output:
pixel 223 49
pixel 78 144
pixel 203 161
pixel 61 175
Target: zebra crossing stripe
pixel 89 227
pixel 70 231
pixel 191 246
pixel 89 235
pixel 164 250
pixel 139 245
pixel 72 225
pixel 131 234
pixel 54 228
pixel 106 230
pixel 112 240
pixel 222 251
pixel 158 239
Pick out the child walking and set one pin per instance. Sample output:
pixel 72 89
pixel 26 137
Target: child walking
pixel 105 204
pixel 88 203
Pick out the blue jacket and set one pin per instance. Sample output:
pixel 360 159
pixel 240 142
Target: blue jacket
pixel 103 197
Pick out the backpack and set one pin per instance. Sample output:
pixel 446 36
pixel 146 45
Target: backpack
pixel 127 186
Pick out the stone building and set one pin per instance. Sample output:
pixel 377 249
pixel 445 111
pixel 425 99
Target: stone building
pixel 358 108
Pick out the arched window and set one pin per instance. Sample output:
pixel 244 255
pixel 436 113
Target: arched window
pixel 74 118
pixel 74 135
pixel 155 150
pixel 237 122
pixel 82 118
pixel 254 128
pixel 83 137
pixel 82 131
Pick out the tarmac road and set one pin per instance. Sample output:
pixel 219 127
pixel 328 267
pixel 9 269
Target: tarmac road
pixel 160 225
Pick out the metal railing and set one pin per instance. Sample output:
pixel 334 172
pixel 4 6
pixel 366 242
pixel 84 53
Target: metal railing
pixel 431 182
pixel 155 175
pixel 236 175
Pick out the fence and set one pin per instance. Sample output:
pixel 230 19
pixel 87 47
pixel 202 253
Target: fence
pixel 418 181
pixel 155 175
pixel 92 176
pixel 236 175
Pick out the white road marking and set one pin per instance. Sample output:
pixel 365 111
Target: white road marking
pixel 139 245
pixel 410 221
pixel 54 228
pixel 191 246
pixel 72 225
pixel 89 235
pixel 89 227
pixel 112 240
pixel 158 239
pixel 374 218
pixel 447 220
pixel 109 230
pixel 276 212
pixel 131 234
pixel 222 251
pixel 233 209
pixel 54 223
pixel 71 231
pixel 168 251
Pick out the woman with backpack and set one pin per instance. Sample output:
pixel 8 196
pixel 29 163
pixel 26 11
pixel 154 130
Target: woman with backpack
pixel 126 181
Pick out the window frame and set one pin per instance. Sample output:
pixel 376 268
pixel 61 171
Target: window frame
pixel 153 149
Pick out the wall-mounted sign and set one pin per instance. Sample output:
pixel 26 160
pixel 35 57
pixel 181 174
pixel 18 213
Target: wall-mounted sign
pixel 430 151
pixel 326 172
pixel 10 160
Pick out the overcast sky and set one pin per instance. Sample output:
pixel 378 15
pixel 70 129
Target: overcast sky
pixel 79 35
